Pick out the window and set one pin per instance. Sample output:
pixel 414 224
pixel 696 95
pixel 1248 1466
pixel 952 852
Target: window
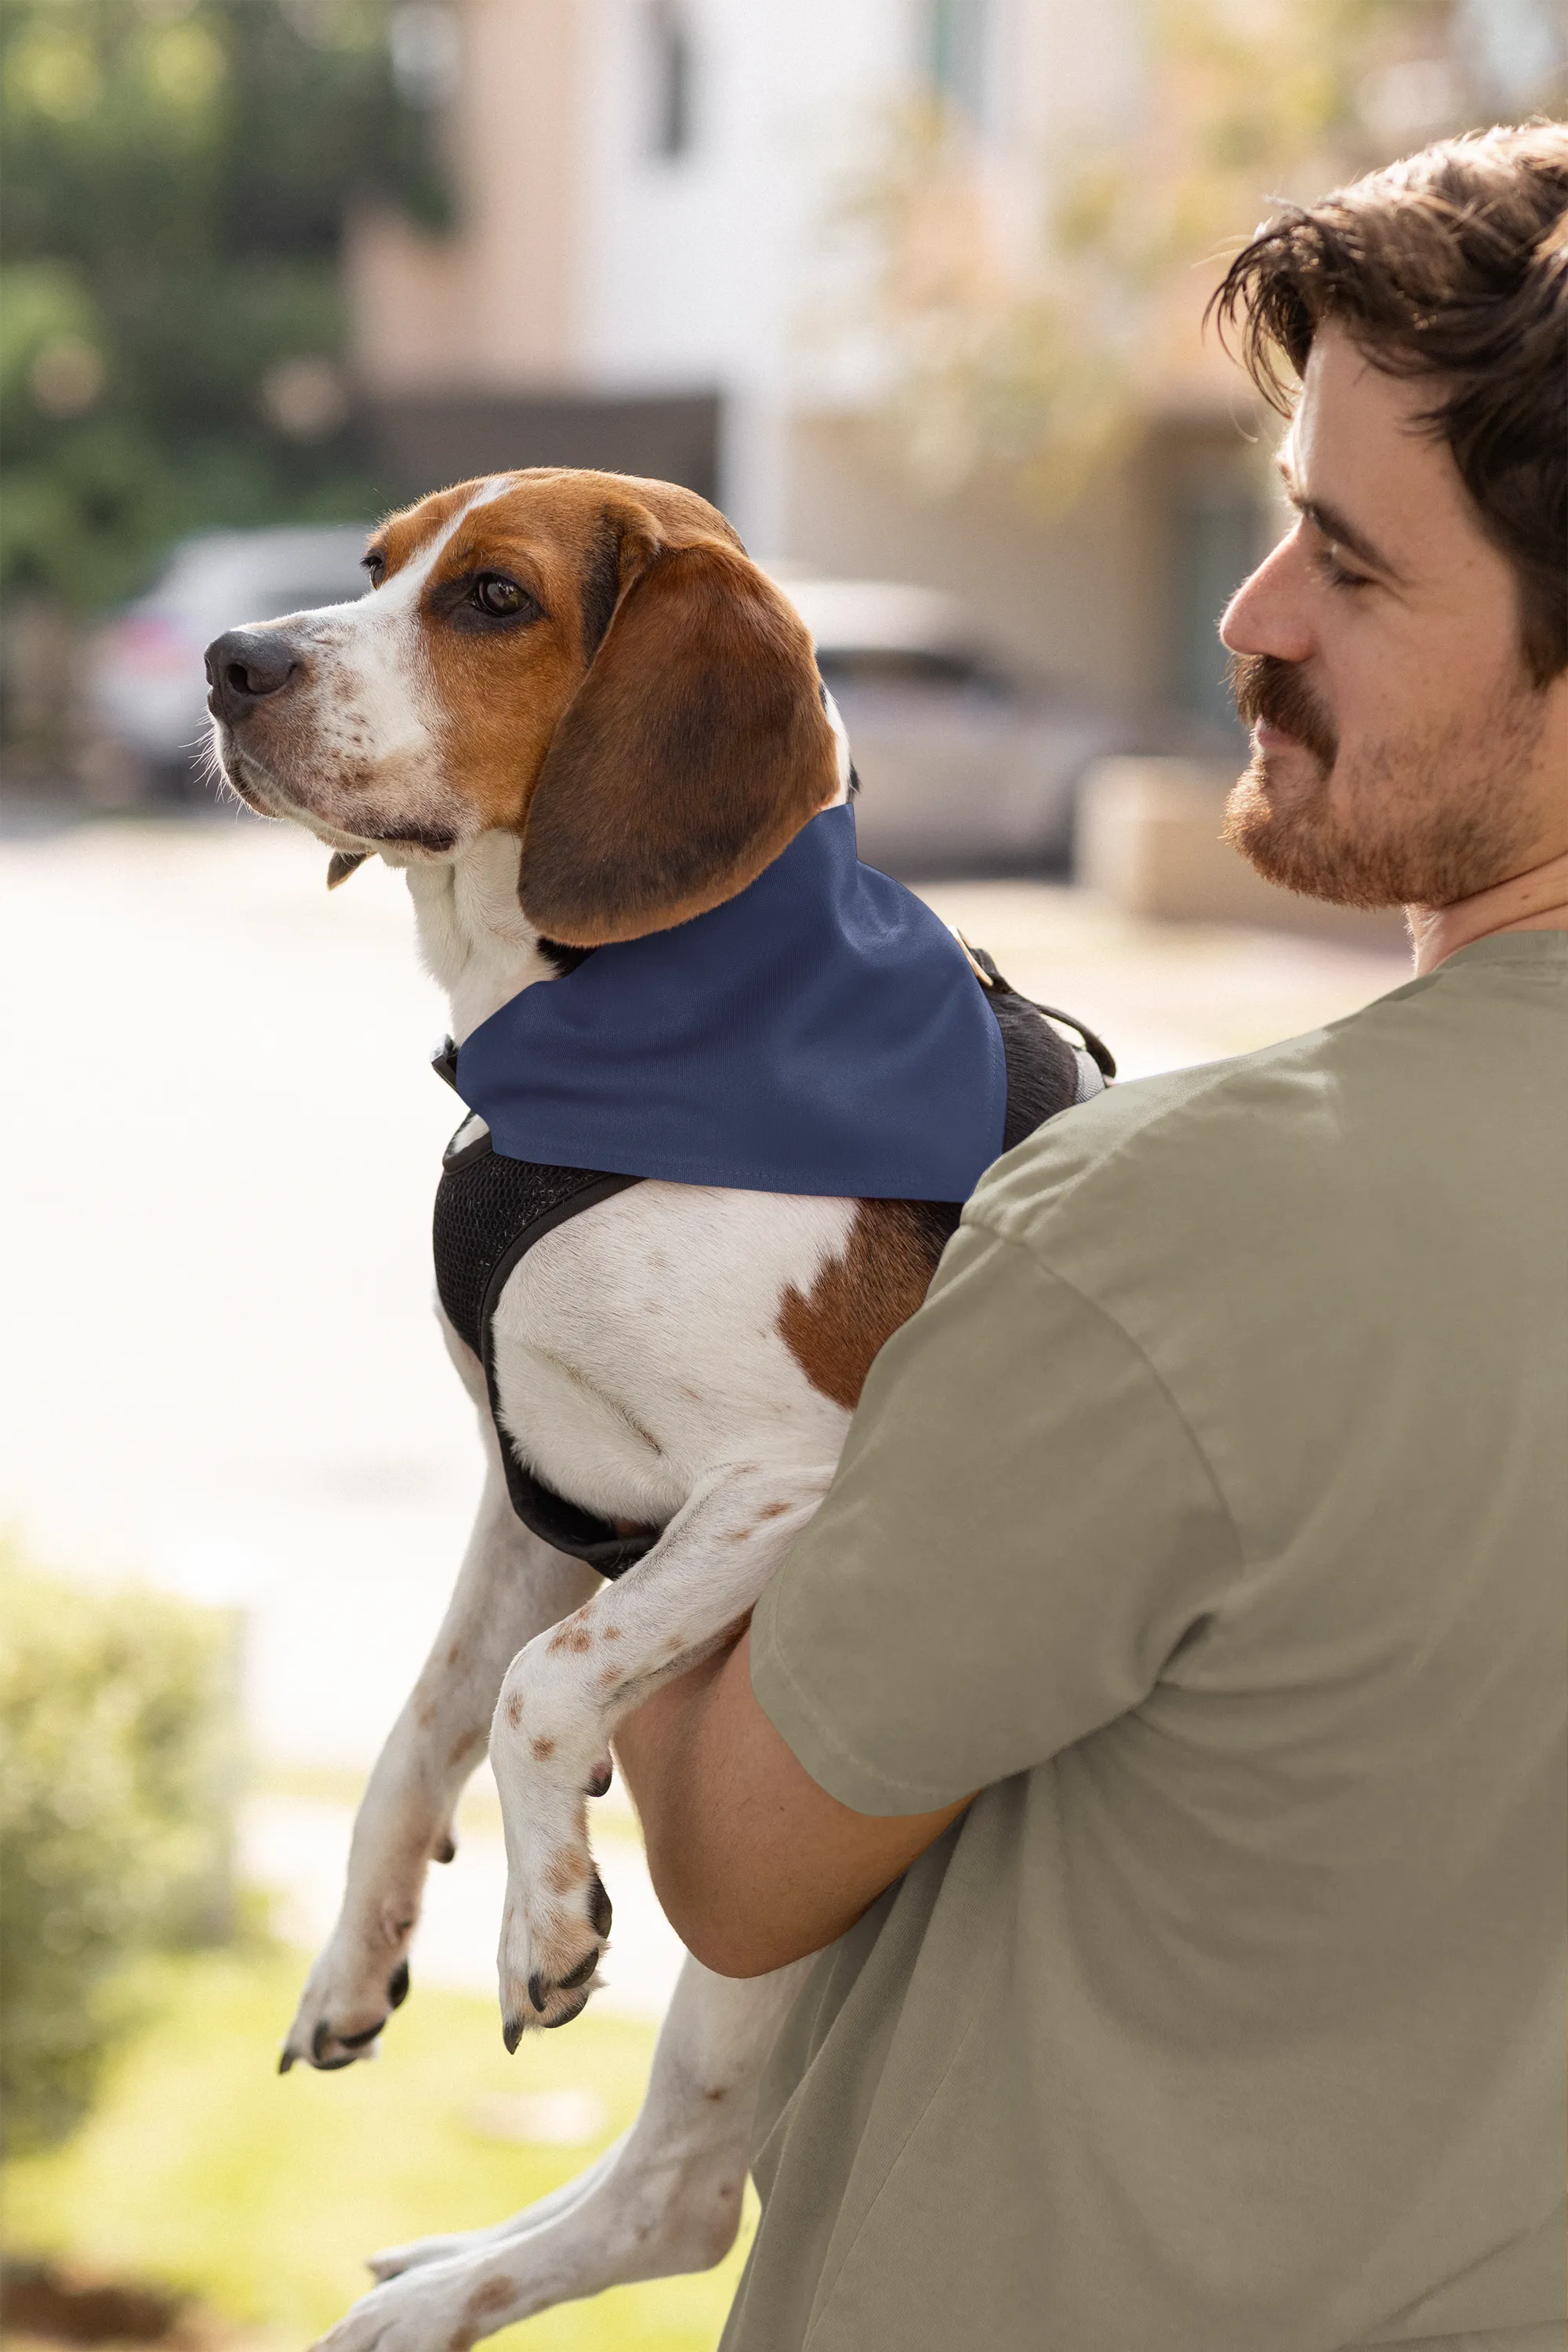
pixel 958 53
pixel 1216 545
pixel 1514 49
pixel 670 80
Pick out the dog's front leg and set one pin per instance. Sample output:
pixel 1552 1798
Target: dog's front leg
pixel 564 1696
pixel 665 2198
pixel 511 1587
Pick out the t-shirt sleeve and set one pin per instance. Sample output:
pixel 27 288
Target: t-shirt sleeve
pixel 1021 1531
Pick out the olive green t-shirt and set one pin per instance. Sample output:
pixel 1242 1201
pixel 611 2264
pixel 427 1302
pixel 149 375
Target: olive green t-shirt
pixel 1211 1519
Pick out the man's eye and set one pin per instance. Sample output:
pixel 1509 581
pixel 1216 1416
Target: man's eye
pixel 1335 572
pixel 494 592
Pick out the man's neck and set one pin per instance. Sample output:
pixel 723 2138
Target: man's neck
pixel 1533 901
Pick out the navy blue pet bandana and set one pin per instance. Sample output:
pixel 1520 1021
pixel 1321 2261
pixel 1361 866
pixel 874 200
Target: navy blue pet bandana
pixel 821 1033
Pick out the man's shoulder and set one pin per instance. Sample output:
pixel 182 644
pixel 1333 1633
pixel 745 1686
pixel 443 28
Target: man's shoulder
pixel 1212 1149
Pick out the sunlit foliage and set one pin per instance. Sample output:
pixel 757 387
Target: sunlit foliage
pixel 178 174
pixel 1036 304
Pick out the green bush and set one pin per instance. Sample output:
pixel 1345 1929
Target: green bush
pixel 117 1785
pixel 178 177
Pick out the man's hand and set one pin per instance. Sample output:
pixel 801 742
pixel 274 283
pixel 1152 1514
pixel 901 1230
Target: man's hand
pixel 754 1863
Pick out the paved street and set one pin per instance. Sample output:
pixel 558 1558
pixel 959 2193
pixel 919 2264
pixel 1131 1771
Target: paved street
pixel 220 1367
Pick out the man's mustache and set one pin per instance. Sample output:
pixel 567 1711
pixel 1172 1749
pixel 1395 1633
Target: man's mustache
pixel 1264 688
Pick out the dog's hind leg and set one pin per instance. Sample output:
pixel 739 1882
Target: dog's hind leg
pixel 665 2198
pixel 511 1587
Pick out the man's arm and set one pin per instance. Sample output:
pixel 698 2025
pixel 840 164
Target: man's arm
pixel 754 1863
pixel 1021 1531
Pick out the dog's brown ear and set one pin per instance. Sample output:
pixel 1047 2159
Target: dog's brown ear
pixel 694 750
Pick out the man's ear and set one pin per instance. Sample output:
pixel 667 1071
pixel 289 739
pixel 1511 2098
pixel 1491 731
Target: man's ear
pixel 693 751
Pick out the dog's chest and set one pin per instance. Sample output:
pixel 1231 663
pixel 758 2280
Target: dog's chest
pixel 638 1346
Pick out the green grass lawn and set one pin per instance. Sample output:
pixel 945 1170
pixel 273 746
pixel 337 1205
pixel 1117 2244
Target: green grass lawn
pixel 262 2194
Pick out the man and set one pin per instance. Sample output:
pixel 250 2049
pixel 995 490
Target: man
pixel 1211 1519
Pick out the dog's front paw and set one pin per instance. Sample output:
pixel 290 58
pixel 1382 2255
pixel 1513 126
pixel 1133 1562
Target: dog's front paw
pixel 393 2260
pixel 349 1995
pixel 553 1934
pixel 445 2308
pixel 549 1754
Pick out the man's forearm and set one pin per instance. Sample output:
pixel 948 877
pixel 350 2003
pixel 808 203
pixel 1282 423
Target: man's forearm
pixel 754 1863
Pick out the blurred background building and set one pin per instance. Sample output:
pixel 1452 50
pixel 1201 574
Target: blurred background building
pixel 877 276
pixel 912 287
pixel 676 272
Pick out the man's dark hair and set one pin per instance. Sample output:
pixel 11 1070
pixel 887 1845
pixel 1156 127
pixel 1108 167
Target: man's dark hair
pixel 1454 265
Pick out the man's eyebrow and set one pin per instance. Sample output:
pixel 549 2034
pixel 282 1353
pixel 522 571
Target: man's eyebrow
pixel 1334 525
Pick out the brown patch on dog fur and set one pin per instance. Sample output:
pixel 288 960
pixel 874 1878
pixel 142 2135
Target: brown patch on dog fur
pixel 514 1709
pixel 403 536
pixel 772 1510
pixel 565 1871
pixel 487 2299
pixel 571 1637
pixel 858 1300
pixel 542 1748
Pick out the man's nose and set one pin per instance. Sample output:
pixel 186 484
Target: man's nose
pixel 244 666
pixel 1266 615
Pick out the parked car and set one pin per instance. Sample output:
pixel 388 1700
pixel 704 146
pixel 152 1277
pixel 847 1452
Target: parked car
pixel 145 688
pixel 963 764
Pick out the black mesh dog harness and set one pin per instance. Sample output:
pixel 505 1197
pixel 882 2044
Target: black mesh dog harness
pixel 490 1209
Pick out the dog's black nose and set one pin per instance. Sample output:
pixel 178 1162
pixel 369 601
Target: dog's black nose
pixel 244 667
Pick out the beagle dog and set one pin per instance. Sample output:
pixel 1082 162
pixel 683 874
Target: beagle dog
pixel 575 714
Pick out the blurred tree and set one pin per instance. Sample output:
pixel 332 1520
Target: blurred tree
pixel 116 1821
pixel 1032 306
pixel 178 175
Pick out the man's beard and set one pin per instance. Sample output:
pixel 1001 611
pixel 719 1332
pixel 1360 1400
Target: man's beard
pixel 1419 819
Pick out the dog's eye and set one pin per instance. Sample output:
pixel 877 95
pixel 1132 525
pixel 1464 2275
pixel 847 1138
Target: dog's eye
pixel 494 592
pixel 376 567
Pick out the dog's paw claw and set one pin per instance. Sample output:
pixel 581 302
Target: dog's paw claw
pixel 601 1911
pixel 545 1996
pixel 398 1981
pixel 329 2050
